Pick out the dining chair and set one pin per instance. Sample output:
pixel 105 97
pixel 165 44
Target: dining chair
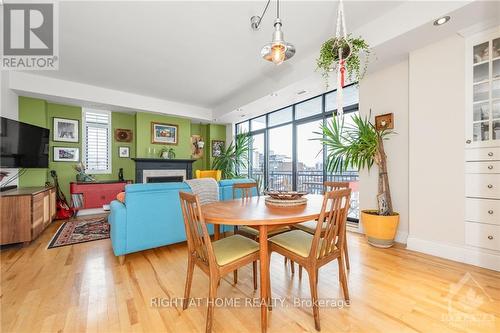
pixel 310 226
pixel 315 251
pixel 217 258
pixel 247 190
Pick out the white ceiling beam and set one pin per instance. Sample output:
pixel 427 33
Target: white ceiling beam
pixel 75 93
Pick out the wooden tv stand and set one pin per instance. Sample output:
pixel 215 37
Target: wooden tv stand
pixel 25 213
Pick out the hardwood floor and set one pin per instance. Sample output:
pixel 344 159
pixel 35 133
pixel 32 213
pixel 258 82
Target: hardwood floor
pixel 82 288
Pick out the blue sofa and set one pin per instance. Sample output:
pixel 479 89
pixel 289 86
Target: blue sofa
pixel 152 217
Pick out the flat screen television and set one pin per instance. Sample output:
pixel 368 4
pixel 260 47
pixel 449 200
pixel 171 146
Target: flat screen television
pixel 23 145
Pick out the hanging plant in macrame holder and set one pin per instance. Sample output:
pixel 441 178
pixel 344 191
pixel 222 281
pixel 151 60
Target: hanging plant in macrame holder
pixel 342 53
pixel 353 51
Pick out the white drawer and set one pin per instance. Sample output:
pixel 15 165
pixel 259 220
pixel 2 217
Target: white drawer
pixel 482 235
pixel 482 210
pixel 482 167
pixel 482 154
pixel 482 186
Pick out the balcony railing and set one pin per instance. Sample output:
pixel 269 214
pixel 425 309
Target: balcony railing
pixel 311 182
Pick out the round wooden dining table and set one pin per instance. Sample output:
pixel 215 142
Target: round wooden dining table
pixel 255 213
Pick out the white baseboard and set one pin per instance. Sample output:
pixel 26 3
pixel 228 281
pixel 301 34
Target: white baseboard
pixel 468 255
pixel 401 237
pixel 90 211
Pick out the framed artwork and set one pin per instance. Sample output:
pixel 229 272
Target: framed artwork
pixel 165 134
pixel 66 154
pixel 217 146
pixel 123 135
pixel 123 151
pixel 384 121
pixel 66 130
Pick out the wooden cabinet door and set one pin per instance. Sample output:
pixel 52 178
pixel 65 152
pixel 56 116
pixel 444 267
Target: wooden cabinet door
pixel 52 203
pixel 46 209
pixel 15 219
pixel 38 215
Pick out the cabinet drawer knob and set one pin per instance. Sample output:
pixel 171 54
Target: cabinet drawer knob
pixel 490 212
pixel 490 154
pixel 490 186
pixel 468 141
pixel 490 237
pixel 490 167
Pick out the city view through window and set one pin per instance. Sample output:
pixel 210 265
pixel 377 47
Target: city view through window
pixel 286 153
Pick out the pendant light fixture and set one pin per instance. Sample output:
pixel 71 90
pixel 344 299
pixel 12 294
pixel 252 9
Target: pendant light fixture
pixel 278 50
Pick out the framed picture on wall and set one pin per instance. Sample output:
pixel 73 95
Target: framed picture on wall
pixel 123 151
pixel 66 154
pixel 217 146
pixel 165 134
pixel 65 130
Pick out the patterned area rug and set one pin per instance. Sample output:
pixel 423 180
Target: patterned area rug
pixel 80 231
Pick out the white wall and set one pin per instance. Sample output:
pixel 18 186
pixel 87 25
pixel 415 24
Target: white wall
pixel 437 118
pixel 9 103
pixel 8 109
pixel 386 91
pixel 436 146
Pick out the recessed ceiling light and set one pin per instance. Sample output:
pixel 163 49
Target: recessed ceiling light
pixel 243 115
pixel 301 92
pixel 441 20
pixel 239 109
pixel 274 94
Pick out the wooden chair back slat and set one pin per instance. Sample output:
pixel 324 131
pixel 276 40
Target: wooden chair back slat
pixel 245 189
pixel 335 186
pixel 198 239
pixel 330 229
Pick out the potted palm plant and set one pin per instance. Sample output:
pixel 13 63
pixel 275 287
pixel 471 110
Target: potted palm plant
pixel 234 157
pixel 360 145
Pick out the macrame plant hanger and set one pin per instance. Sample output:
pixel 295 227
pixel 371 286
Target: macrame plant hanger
pixel 341 38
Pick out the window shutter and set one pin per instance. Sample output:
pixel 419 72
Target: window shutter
pixel 97 141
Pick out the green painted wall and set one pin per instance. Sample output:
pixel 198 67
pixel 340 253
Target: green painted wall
pixel 143 142
pixel 39 112
pixel 64 170
pixel 215 132
pixel 202 130
pixel 124 121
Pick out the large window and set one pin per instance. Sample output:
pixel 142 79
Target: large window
pixel 97 141
pixel 257 159
pixel 309 157
pixel 280 158
pixel 287 154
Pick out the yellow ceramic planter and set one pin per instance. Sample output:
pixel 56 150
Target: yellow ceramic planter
pixel 380 230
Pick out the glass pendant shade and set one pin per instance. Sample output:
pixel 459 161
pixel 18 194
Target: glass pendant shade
pixel 278 50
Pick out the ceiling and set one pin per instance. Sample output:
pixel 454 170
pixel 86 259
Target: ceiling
pixel 197 53
pixel 200 59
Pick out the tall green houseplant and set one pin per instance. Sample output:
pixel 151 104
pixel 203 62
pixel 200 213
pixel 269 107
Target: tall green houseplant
pixel 359 145
pixel 234 157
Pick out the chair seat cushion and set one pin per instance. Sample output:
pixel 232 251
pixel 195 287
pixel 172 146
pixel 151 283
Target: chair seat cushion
pixel 296 241
pixel 255 232
pixel 232 248
pixel 309 226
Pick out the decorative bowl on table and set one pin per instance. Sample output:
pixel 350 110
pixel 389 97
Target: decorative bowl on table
pixel 285 198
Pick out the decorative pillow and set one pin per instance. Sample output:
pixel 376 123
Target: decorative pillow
pixel 121 197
